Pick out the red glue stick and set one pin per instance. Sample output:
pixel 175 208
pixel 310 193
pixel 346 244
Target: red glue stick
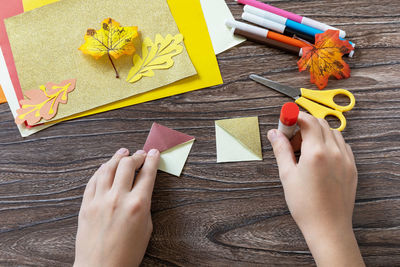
pixel 288 119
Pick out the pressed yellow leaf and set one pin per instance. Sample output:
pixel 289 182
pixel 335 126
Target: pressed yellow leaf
pixel 112 40
pixel 155 56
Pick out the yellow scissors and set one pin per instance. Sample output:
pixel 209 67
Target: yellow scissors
pixel 304 98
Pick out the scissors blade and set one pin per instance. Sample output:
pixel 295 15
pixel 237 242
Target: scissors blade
pixel 284 89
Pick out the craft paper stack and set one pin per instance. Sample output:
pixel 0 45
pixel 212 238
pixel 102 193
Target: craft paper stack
pixel 48 53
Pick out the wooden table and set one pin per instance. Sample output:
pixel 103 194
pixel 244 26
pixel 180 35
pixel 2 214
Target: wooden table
pixel 217 214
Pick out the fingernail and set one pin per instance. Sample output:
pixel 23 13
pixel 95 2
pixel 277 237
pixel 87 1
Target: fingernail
pixel 272 134
pixel 140 152
pixel 122 151
pixel 153 152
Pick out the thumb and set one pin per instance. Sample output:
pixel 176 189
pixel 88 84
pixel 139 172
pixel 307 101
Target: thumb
pixel 283 152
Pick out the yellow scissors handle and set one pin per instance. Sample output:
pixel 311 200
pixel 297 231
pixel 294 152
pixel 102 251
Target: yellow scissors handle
pixel 327 98
pixel 320 111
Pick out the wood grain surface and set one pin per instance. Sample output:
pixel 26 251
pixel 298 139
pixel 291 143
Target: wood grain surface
pixel 231 214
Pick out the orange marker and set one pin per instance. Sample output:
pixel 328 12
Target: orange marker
pixel 269 42
pixel 285 39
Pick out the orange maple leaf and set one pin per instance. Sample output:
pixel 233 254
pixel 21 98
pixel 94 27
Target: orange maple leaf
pixel 111 39
pixel 43 102
pixel 324 59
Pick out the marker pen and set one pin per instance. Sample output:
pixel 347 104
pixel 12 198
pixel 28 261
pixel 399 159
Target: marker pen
pixel 282 20
pixel 288 27
pixel 269 42
pixel 264 33
pixel 288 119
pixel 300 19
pixel 276 26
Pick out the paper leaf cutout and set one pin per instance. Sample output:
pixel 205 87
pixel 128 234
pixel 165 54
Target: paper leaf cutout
pixel 43 102
pixel 324 59
pixel 112 40
pixel 155 56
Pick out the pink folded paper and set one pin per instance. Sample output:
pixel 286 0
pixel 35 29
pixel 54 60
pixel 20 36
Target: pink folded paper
pixel 164 138
pixel 174 147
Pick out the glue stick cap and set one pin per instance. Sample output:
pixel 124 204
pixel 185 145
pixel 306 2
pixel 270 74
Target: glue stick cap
pixel 289 114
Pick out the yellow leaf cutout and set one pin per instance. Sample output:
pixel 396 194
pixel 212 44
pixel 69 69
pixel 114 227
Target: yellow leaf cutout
pixel 111 39
pixel 155 56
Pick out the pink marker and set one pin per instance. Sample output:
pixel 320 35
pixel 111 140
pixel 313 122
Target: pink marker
pixel 297 18
pixel 288 119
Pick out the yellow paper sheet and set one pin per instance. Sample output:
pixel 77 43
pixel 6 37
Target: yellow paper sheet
pixel 32 4
pixel 45 44
pixel 192 25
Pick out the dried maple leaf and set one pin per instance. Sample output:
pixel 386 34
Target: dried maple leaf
pixel 111 39
pixel 43 102
pixel 324 59
pixel 155 56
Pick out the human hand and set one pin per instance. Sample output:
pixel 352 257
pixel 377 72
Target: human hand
pixel 320 190
pixel 114 224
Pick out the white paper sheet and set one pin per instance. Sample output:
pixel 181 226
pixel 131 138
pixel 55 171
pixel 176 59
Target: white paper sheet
pixel 173 159
pixel 216 12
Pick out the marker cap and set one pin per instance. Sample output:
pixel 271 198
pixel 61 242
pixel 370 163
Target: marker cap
pixel 289 114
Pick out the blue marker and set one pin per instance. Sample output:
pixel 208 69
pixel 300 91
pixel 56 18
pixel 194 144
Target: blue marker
pixel 271 17
pixel 306 29
pixel 275 26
